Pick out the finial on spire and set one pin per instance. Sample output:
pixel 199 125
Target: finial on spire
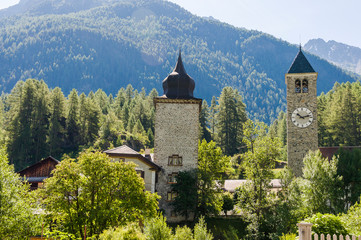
pixel 300 47
pixel 179 68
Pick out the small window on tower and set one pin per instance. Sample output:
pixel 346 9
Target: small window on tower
pixel 171 196
pixel 172 178
pixel 305 86
pixel 175 160
pixel 297 86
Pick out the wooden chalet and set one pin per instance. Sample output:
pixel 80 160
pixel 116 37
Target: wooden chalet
pixel 36 173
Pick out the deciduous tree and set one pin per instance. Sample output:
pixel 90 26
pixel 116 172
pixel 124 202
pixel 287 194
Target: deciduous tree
pixel 212 166
pixel 17 220
pixel 96 192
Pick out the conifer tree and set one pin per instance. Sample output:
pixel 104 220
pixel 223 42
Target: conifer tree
pixel 92 121
pixel 28 123
pixel 83 115
pixel 72 121
pixel 230 119
pixel 138 128
pixel 102 101
pixel 2 124
pixel 129 93
pixel 40 121
pixel 204 132
pixel 131 123
pixel 150 136
pixel 213 112
pixel 57 122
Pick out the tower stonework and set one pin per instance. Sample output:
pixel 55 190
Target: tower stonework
pixel 302 136
pixel 176 134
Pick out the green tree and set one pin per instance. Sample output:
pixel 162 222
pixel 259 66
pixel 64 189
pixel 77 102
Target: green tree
pixel 28 123
pixel 213 116
pixel 72 121
pixel 157 229
pixel 321 186
pixel 254 197
pixel 182 233
pixel 201 232
pixel 102 101
pixel 109 131
pixel 83 115
pixel 349 168
pixel 212 166
pixel 186 188
pixel 17 220
pixel 204 132
pixel 228 203
pixel 2 124
pixel 40 121
pixel 93 120
pixel 352 219
pixel 129 232
pixel 57 123
pixel 230 118
pixel 96 192
pixel 327 224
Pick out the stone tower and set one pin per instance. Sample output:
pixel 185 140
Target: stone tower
pixel 301 81
pixel 176 133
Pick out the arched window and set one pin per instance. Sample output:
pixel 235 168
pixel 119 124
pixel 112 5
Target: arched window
pixel 297 86
pixel 304 86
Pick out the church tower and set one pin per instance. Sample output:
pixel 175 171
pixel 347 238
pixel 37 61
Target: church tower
pixel 176 134
pixel 301 81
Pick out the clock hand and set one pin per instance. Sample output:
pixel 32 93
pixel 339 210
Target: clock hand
pixel 300 116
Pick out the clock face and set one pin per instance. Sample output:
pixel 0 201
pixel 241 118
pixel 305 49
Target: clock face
pixel 302 117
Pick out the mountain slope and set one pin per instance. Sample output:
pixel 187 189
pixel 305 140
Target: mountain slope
pixel 116 43
pixel 343 55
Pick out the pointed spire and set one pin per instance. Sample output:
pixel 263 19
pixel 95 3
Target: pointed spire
pixel 300 64
pixel 179 68
pixel 179 84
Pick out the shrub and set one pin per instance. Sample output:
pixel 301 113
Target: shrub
pixel 201 232
pixel 182 233
pixel 128 232
pixel 352 219
pixel 327 224
pixel 157 229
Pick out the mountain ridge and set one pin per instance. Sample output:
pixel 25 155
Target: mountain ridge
pixel 136 42
pixel 345 56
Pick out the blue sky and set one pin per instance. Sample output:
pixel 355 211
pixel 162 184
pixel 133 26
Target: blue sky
pixel 290 20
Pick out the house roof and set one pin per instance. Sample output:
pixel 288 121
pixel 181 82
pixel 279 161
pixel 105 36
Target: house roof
pixel 38 164
pixel 300 64
pixel 125 151
pixel 232 185
pixel 329 152
pixel 122 150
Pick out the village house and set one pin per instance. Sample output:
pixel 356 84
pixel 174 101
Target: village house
pixel 38 172
pixel 146 168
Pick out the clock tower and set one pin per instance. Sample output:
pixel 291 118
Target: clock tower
pixel 301 81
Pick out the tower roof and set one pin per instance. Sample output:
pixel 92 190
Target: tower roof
pixel 178 84
pixel 300 64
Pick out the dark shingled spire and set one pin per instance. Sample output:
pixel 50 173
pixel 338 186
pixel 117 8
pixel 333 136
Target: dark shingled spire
pixel 300 64
pixel 178 85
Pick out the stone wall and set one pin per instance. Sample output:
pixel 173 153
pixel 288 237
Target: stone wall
pixel 301 140
pixel 176 133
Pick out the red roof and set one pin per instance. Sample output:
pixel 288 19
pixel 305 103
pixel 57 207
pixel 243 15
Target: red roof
pixel 328 152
